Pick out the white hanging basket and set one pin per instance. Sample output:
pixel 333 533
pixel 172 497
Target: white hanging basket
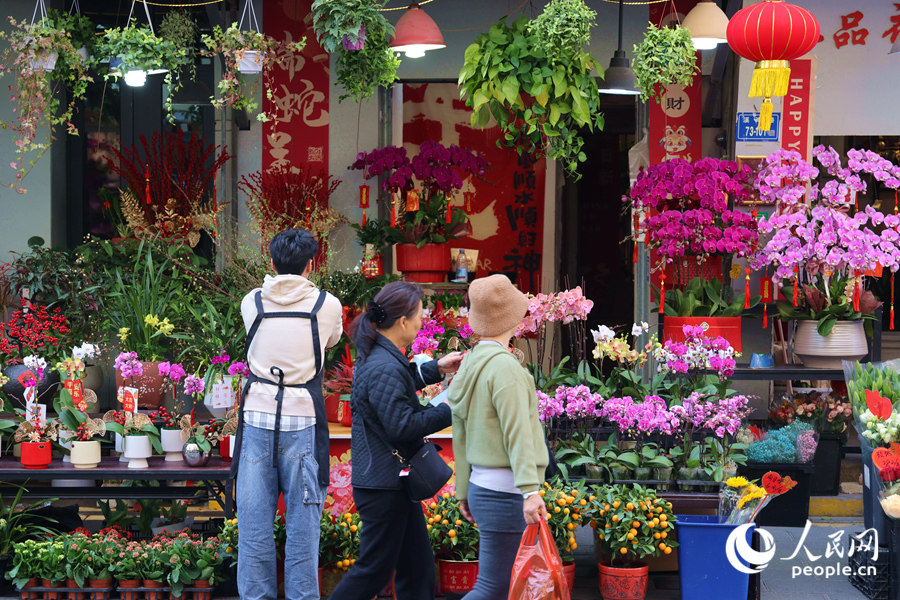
pixel 251 62
pixel 45 62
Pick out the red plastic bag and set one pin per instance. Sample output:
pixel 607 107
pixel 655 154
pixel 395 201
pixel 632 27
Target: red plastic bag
pixel 538 572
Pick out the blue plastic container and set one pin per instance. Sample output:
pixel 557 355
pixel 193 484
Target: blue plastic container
pixel 703 566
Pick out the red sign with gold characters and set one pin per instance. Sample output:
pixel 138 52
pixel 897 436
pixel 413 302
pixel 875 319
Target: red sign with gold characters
pixel 75 387
pixel 298 134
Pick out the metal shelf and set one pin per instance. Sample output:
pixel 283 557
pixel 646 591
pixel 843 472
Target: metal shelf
pixel 786 373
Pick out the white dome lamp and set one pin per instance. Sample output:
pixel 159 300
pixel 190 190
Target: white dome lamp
pixel 619 78
pixel 707 24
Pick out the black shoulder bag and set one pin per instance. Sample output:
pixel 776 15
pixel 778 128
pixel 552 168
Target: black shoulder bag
pixel 428 472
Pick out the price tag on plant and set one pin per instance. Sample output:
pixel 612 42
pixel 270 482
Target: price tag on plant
pixel 35 413
pixel 128 398
pixel 75 387
pixel 222 395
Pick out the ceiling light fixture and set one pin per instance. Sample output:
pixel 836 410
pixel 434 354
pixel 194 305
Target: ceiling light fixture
pixel 416 32
pixel 619 78
pixel 707 24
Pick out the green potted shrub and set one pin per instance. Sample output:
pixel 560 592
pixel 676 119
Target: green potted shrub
pixel 345 24
pixel 248 53
pixel 535 79
pixel 372 236
pixel 180 30
pixel 82 32
pixel 665 57
pixel 41 57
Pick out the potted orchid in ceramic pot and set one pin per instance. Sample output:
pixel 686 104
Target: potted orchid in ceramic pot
pixel 820 254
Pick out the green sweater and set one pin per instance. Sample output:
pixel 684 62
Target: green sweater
pixel 495 419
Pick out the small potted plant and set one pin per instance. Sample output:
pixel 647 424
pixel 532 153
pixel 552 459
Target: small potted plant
pixel 156 566
pixel 372 236
pixel 75 562
pixel 37 437
pixel 174 520
pixel 104 553
pixel 198 437
pixel 457 541
pixel 85 450
pixel 251 53
pixel 666 56
pixel 338 382
pixel 25 571
pixel 141 437
pixel 128 570
pixel 632 522
pixel 82 32
pixel 51 567
pixel 565 502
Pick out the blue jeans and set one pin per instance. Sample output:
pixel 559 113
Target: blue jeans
pixel 258 488
pixel 500 528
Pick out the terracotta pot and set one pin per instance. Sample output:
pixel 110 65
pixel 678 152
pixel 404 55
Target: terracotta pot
pixel 72 584
pixel 23 595
pixel 428 264
pixel 52 595
pixel 726 327
pixel 569 572
pixel 36 455
pixel 623 583
pixel 847 341
pixel 202 585
pixel 156 595
pixel 100 583
pixel 149 385
pixel 458 576
pixel 126 588
pixel 85 455
pixel 331 408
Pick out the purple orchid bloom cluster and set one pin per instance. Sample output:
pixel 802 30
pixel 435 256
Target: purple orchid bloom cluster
pixel 575 403
pixel 439 168
pixel 691 200
pixel 720 415
pixel 697 352
pixel 648 416
pixel 128 365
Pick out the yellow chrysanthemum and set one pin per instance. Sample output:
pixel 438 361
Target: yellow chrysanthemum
pixel 736 482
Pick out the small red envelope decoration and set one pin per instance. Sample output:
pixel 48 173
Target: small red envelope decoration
pixel 880 406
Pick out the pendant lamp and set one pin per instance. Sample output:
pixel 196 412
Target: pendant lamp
pixel 416 33
pixel 619 78
pixel 707 24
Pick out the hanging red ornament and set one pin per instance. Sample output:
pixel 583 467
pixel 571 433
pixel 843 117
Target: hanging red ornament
pixel 393 210
pixel 635 228
pixel 662 293
pixel 364 219
pixel 364 196
pixel 765 316
pixel 469 196
pixel 147 181
pixel 856 295
pixel 796 283
pixel 412 201
pixel 765 288
pixel 449 212
pixel 747 288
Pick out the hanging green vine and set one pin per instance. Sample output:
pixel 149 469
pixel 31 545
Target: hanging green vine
pixel 666 57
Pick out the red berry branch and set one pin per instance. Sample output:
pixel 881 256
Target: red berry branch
pixel 34 329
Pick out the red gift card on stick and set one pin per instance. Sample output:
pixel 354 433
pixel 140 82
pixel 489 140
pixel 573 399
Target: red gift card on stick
pixel 880 406
pixel 883 458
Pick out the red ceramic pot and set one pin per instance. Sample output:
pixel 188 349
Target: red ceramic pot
pixel 36 455
pixel 458 576
pixel 428 264
pixel 72 584
pixel 623 583
pixel 331 408
pixel 225 448
pixel 569 572
pixel 344 415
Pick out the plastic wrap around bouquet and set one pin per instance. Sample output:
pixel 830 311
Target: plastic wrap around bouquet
pixel 740 500
pixel 887 461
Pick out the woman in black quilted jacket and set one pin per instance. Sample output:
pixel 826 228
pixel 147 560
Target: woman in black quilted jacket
pixel 385 405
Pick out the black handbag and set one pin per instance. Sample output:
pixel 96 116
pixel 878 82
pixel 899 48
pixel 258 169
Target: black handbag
pixel 428 472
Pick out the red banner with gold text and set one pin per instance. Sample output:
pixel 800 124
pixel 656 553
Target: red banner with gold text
pixel 507 212
pixel 299 132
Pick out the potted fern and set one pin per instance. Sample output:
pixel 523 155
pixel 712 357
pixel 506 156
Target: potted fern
pixel 247 53
pixel 665 57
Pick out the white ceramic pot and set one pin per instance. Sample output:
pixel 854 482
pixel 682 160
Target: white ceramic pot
pixel 251 63
pixel 137 451
pixel 83 53
pixel 65 440
pixel 120 447
pixel 847 341
pixel 171 444
pixel 85 455
pixel 45 62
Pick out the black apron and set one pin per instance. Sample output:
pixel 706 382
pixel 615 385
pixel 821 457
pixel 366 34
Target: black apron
pixel 313 386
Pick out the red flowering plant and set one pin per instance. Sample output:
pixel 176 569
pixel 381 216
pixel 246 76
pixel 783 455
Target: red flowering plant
pixel 34 330
pixel 441 171
pixel 165 418
pixel 340 379
pixel 689 210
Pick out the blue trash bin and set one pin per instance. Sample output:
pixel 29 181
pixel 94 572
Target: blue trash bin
pixel 703 566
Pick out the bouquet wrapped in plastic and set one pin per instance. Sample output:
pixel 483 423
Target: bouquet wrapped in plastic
pixel 740 500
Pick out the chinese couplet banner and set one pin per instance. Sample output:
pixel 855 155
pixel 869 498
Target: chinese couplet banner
pixel 298 134
pixel 798 108
pixel 507 212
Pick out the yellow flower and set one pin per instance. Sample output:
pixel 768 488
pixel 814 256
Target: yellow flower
pixel 165 327
pixel 736 482
pixel 123 333
pixel 753 493
pixel 152 321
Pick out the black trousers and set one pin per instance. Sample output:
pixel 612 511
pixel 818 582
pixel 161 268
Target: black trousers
pixel 393 538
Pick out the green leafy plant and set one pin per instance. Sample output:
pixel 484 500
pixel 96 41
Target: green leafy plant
pixel 704 298
pixel 374 233
pixel 234 44
pixel 452 536
pixel 82 32
pixel 117 516
pixel 563 27
pixel 665 57
pixel 540 102
pixel 429 225
pixel 35 92
pixel 16 524
pixel 140 49
pixel 179 29
pixel 138 424
pixel 360 72
pixel 632 522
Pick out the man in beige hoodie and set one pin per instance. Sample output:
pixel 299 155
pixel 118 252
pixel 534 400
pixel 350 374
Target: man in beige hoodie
pixel 282 444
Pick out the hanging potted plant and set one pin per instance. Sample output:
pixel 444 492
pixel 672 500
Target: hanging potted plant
pixel 455 542
pixel 248 53
pixel 536 79
pixel 423 221
pixel 181 31
pixel 342 24
pixel 631 522
pixel 31 56
pixel 665 57
pixel 82 33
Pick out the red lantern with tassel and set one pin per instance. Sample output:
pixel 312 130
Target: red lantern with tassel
pixel 771 34
pixel 856 293
pixel 892 301
pixel 765 291
pixel 747 288
pixel 796 283
pixel 449 211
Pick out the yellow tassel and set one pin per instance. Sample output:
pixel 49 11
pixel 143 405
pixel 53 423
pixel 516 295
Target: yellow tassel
pixel 765 115
pixel 770 78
